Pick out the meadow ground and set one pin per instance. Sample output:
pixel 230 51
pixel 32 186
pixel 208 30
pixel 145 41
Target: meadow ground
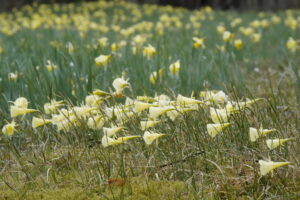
pixel 119 101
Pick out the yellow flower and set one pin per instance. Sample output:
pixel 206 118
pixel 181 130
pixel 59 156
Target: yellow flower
pixel 173 114
pixel 138 40
pixel 275 19
pixel 221 29
pixel 81 111
pixel 16 111
pixel 134 50
pixel 149 51
pixel 215 129
pixel 214 96
pixel 113 47
pixel 273 143
pixel 219 115
pixel 145 99
pixel 182 100
pixel 292 44
pixel 93 100
pixel 148 124
pixel 256 133
pixel 264 23
pixel 107 141
pixel 140 106
pixel 227 36
pixel 291 22
pixel 255 24
pixel 238 44
pixel 36 122
pixel 269 166
pixel 255 37
pixel 21 102
pixel 96 122
pixel 236 22
pixel 12 76
pixel 9 128
pixel 122 43
pixel 70 48
pixel 50 66
pixel 155 112
pixel 198 42
pixel 51 107
pixel 102 41
pixel 100 93
pixel 246 31
pixel 111 131
pixel 155 76
pixel 126 138
pixel 149 137
pixel 102 60
pixel 120 84
pixel 174 68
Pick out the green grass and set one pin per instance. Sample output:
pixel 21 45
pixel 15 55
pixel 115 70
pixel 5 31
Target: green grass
pixel 44 163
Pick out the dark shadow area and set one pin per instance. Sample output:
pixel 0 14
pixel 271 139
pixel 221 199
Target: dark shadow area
pixel 189 4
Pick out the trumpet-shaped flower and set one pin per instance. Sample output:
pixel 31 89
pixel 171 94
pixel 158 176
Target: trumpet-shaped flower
pixel 96 122
pixel 148 124
pixel 173 114
pixel 52 107
pixel 107 141
pixel 50 66
pixel 227 36
pixel 221 29
pixel 149 137
pixel 292 44
pixel 219 115
pixel 126 138
pixel 273 143
pixel 198 42
pixel 21 102
pixel 93 100
pixel 214 96
pixel 146 99
pixel 113 47
pixel 102 60
pixel 182 100
pixel 120 84
pixel 215 129
pixel 138 40
pixel 36 122
pixel 140 106
pixel 9 128
pixel 255 133
pixel 255 37
pixel 70 48
pixel 268 166
pixel 12 76
pixel 149 51
pixel 155 76
pixel 63 125
pixel 155 112
pixel 100 93
pixel 238 44
pixel 111 131
pixel 81 111
pixel 102 41
pixel 16 111
pixel 174 68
